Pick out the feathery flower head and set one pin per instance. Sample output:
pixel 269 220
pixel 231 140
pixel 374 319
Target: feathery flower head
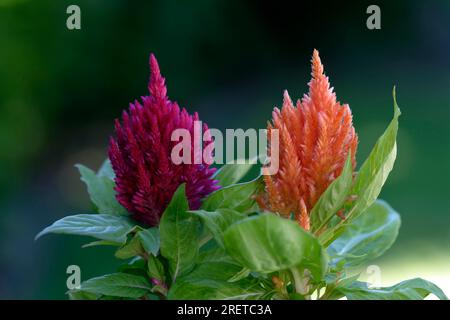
pixel 315 137
pixel 146 178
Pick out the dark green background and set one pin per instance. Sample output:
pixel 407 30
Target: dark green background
pixel 60 91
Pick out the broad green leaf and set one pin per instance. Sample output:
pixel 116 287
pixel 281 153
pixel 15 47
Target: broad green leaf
pixel 237 197
pixel 155 268
pixel 135 263
pixel 178 231
pixel 136 266
pixel 118 285
pixel 131 249
pixel 81 295
pixel 143 240
pixel 215 254
pixel 101 226
pixel 375 170
pixel 150 240
pixel 316 261
pixel 231 173
pixel 101 190
pixel 101 243
pixel 367 237
pixel 333 198
pixel 210 281
pixel 218 221
pixel 413 289
pixel 268 243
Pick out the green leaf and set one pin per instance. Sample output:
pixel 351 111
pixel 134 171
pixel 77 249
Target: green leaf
pixel 118 285
pixel 143 240
pixel 230 174
pixel 178 231
pixel 101 190
pixel 371 176
pixel 215 254
pixel 155 268
pixel 413 289
pixel 375 170
pixel 101 243
pixel 136 266
pixel 244 273
pixel 296 296
pixel 316 261
pixel 210 281
pixel 131 249
pixel 101 226
pixel 268 243
pixel 237 197
pixel 150 240
pixel 367 237
pixel 218 221
pixel 81 295
pixel 333 198
pixel 106 170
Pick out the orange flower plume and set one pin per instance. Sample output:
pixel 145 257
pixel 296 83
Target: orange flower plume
pixel 315 137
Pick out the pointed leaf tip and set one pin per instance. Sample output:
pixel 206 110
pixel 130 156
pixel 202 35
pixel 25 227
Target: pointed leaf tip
pixel 397 111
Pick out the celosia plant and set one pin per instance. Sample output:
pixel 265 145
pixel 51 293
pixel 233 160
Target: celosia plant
pixel 316 137
pixel 145 176
pixel 291 235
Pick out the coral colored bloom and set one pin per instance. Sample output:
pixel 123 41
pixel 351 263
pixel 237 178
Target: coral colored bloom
pixel 315 137
pixel 146 177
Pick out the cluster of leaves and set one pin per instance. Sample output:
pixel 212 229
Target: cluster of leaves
pixel 230 250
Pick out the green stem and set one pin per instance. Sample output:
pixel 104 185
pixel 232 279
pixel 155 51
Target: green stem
pixel 299 282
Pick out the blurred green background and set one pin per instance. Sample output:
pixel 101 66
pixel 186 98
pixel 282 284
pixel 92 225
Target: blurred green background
pixel 60 91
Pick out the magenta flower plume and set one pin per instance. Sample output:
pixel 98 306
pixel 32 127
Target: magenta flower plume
pixel 146 178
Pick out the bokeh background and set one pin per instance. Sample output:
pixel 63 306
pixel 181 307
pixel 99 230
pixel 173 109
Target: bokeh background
pixel 60 91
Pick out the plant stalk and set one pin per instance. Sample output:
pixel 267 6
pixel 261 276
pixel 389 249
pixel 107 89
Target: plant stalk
pixel 299 283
